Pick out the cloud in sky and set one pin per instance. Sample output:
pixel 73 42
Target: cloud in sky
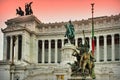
pixel 58 10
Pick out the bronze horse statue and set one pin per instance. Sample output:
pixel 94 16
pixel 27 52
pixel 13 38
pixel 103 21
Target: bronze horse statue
pixel 70 32
pixel 86 62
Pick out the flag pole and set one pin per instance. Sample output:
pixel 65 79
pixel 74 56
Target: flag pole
pixel 93 42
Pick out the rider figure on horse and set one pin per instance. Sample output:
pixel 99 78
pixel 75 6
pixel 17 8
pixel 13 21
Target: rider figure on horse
pixel 70 32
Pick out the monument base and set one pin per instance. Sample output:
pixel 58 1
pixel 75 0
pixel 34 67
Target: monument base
pixel 67 50
pixel 80 78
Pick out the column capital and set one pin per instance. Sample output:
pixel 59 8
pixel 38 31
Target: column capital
pixel 63 39
pixel 10 36
pixel 112 34
pixel 16 35
pixel 104 36
pixel 56 39
pixel 90 37
pixel 43 40
pixel 49 39
pixel 97 36
pixel 7 36
pixel 76 38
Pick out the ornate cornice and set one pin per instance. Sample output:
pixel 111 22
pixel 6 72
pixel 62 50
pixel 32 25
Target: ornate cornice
pixel 12 28
pixel 58 28
pixel 22 19
pixel 17 28
pixel 80 31
pixel 98 21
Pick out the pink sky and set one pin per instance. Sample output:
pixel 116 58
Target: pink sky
pixel 58 10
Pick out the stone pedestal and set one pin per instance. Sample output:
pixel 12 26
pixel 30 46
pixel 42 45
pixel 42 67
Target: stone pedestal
pixel 79 78
pixel 67 51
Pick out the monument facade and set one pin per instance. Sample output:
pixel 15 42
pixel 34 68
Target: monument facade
pixel 32 49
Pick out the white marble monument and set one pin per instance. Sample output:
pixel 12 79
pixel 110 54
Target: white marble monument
pixel 35 48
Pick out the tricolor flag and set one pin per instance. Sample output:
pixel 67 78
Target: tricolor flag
pixel 93 42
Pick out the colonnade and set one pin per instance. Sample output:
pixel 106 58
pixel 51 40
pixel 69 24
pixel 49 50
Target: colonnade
pixel 13 47
pixel 77 41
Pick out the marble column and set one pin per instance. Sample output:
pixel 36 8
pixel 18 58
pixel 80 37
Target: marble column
pixel 43 51
pixel 23 54
pixel 5 48
pixel 83 40
pixel 62 42
pixel 113 48
pixel 98 47
pixel 16 49
pixel 76 42
pixel 36 50
pixel 11 44
pixel 105 48
pixel 49 51
pixel 56 55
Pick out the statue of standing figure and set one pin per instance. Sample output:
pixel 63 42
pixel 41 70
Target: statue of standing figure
pixel 70 32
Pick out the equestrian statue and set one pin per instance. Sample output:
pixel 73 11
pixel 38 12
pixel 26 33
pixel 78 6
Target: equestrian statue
pixel 70 32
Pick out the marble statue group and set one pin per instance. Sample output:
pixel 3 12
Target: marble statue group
pixel 84 64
